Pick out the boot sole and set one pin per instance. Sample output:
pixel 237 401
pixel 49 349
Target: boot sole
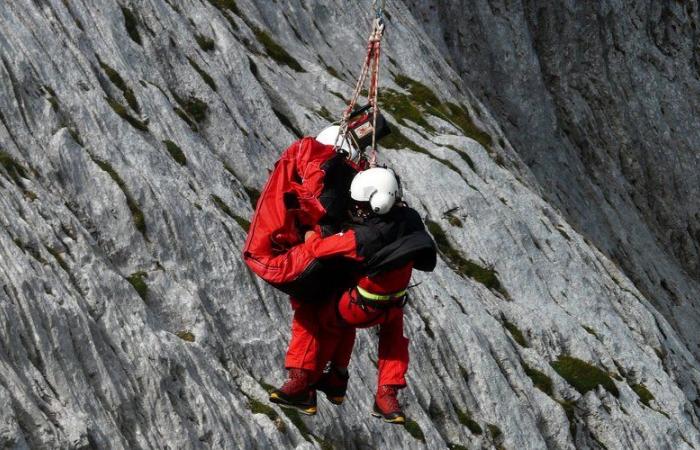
pixel 308 410
pixel 395 421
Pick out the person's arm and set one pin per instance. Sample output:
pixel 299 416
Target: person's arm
pixel 340 244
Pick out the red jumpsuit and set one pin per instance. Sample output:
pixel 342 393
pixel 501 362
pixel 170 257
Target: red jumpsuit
pixel 305 342
pixel 274 229
pixel 340 319
pixel 288 204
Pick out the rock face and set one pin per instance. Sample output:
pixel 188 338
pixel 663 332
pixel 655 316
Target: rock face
pixel 553 151
pixel 600 100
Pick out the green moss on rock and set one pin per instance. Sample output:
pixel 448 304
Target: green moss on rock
pixel 193 107
pixel 422 100
pixel 136 213
pixel 414 429
pixel 295 418
pixel 121 111
pixel 276 51
pixel 515 332
pixel 12 167
pixel 183 115
pixel 257 407
pixel 465 419
pixel 205 43
pixel 643 393
pixel 119 82
pixel 403 108
pixel 454 220
pixel 323 112
pixel 461 265
pixel 420 92
pixel 245 224
pixel 131 24
pixel 226 5
pixel 205 76
pixel 176 152
pixel 495 431
pixel 138 281
pixel 222 206
pixel 539 379
pixel 465 157
pixel 590 331
pixel 459 115
pixel 185 335
pixel 583 376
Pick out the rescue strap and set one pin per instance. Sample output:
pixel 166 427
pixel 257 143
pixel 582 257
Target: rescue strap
pixel 380 297
pixel 371 68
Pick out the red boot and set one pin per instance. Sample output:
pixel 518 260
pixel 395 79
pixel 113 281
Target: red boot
pixel 333 383
pixel 386 405
pixel 296 392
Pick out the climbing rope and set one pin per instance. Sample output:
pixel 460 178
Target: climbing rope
pixel 371 68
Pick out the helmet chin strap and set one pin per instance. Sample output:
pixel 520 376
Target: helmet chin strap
pixel 369 200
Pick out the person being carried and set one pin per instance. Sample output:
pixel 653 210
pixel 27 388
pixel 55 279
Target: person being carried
pixel 390 240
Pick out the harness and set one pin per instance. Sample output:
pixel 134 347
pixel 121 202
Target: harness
pixel 380 304
pixel 366 299
pixel 380 298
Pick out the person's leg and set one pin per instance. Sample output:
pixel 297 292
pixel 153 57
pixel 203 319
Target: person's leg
pixel 343 352
pixel 304 343
pixel 337 340
pixel 301 360
pixel 393 364
pixel 393 350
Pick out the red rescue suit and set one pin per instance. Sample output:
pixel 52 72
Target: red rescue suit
pixel 275 225
pixel 308 189
pixel 389 247
pixel 305 341
pixel 377 300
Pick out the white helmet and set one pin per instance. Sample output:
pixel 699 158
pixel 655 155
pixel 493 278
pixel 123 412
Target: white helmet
pixel 329 136
pixel 378 186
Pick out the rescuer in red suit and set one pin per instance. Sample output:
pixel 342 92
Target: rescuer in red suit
pixel 308 190
pixel 387 239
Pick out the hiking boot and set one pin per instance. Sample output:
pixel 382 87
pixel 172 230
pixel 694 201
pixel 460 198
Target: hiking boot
pixel 386 405
pixel 333 382
pixel 296 393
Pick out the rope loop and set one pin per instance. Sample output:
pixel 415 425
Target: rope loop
pixel 370 69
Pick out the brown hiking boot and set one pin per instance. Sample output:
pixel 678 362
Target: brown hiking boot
pixel 386 405
pixel 296 393
pixel 334 383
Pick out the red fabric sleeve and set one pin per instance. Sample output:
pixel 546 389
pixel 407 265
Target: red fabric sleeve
pixel 339 244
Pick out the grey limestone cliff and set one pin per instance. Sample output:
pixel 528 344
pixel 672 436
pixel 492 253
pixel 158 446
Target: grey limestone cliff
pixel 552 148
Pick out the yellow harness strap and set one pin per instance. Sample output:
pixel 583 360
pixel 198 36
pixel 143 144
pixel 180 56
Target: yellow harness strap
pixel 380 297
